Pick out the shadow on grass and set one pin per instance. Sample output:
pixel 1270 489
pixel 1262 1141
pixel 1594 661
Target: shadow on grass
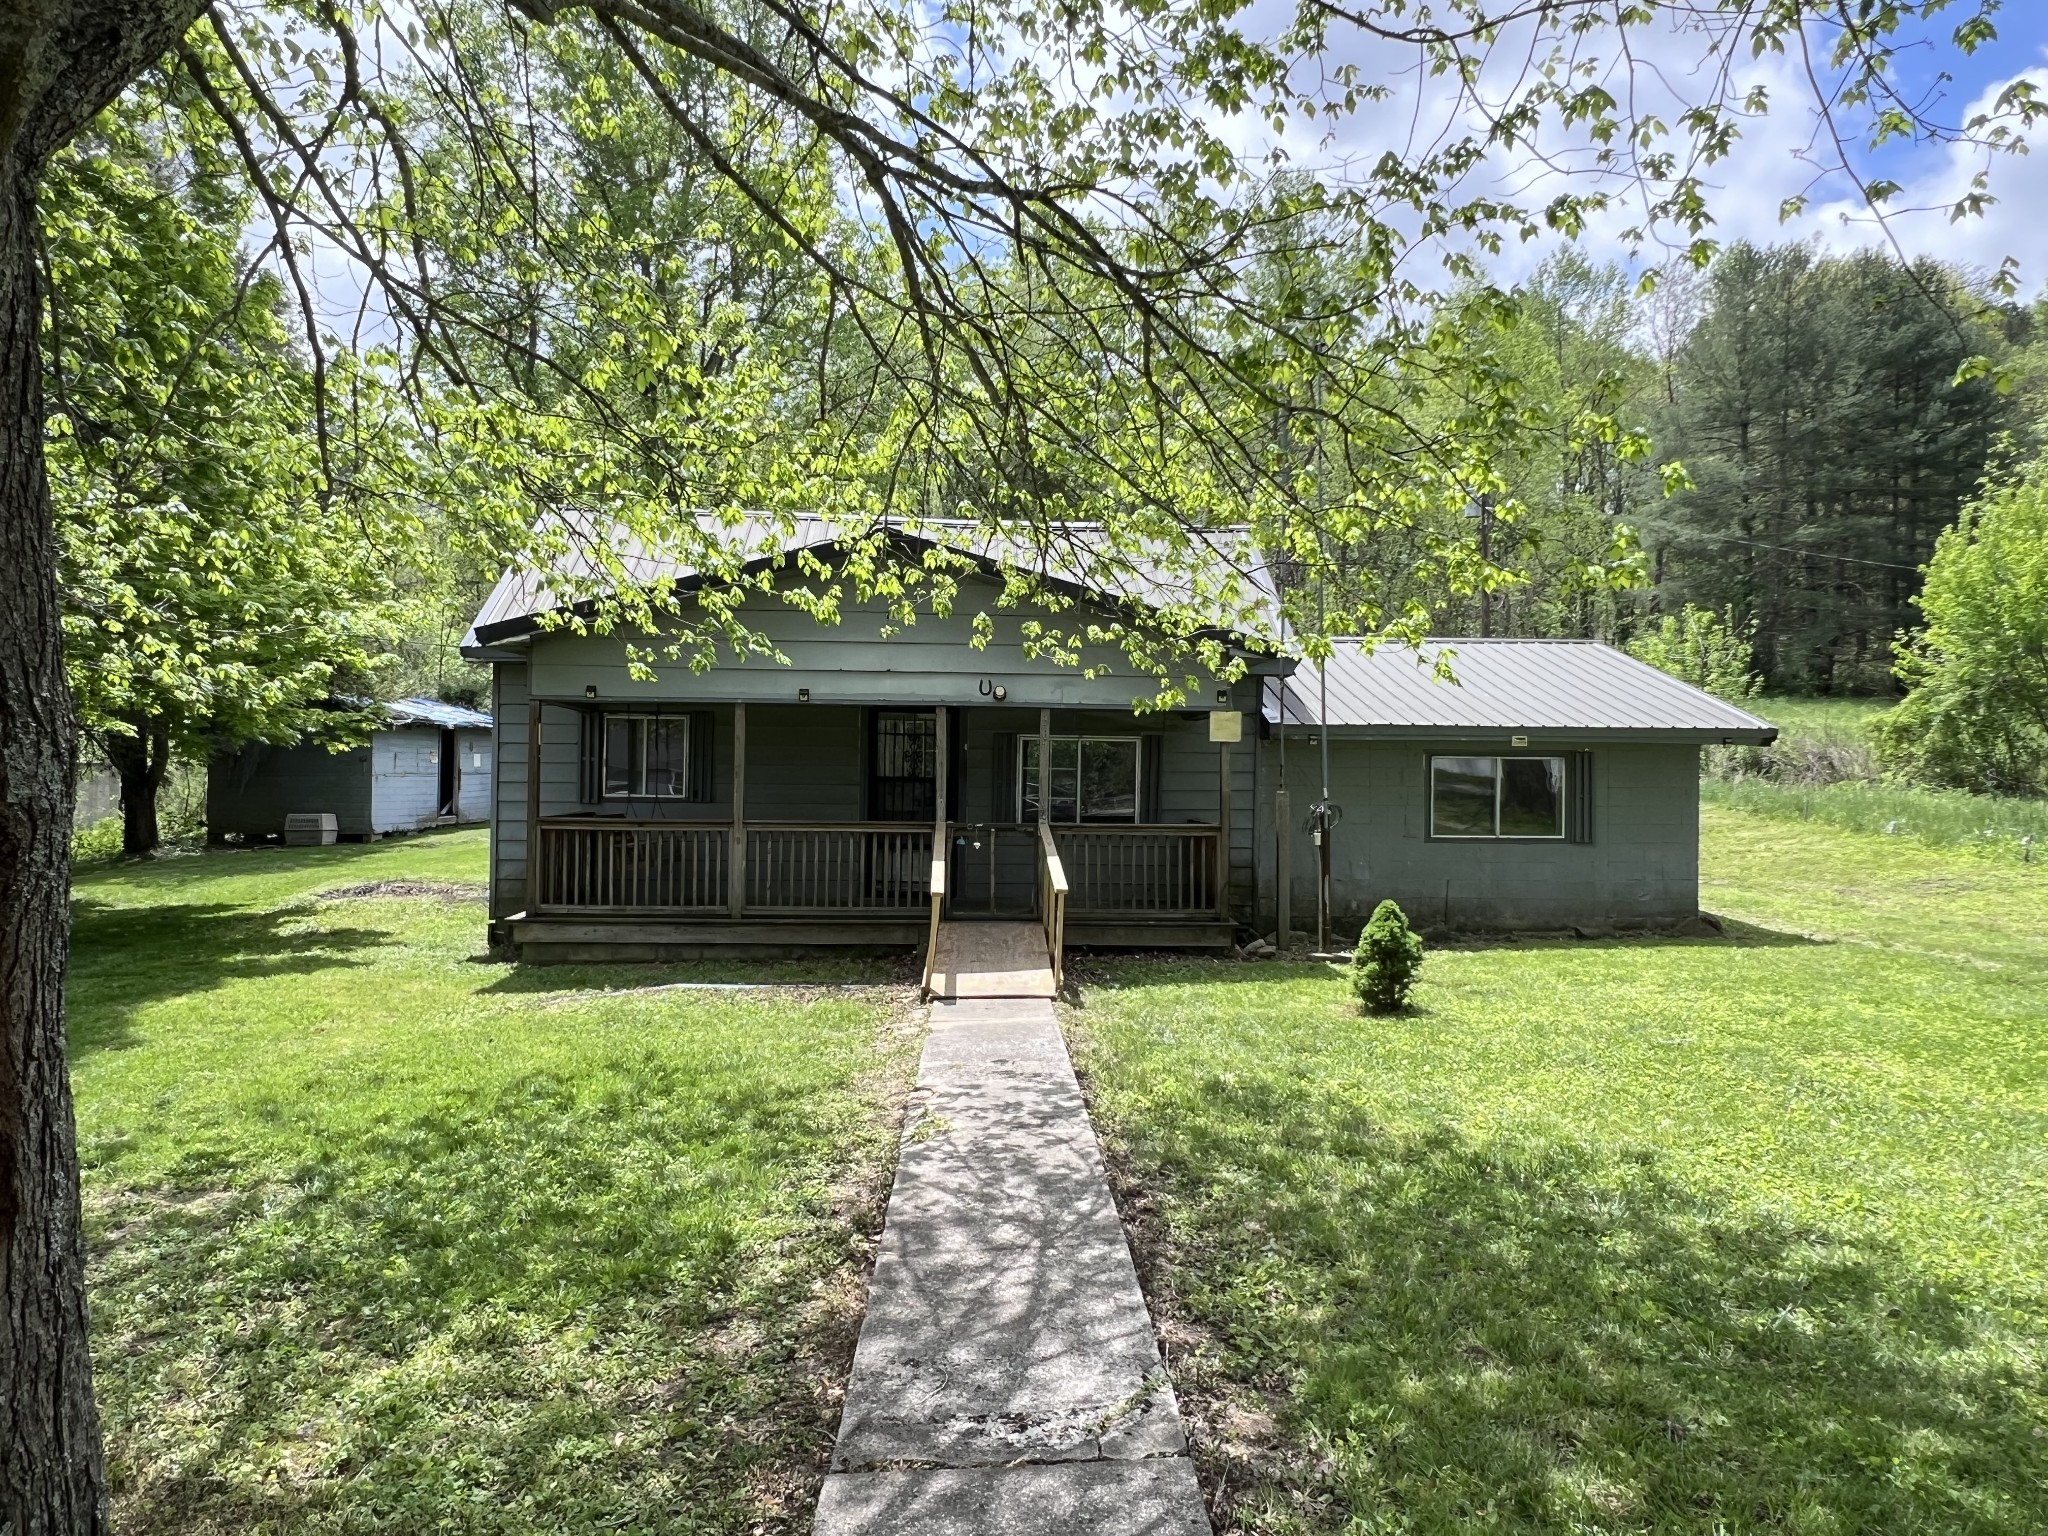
pixel 123 958
pixel 625 979
pixel 1111 970
pixel 1538 1339
pixel 546 1308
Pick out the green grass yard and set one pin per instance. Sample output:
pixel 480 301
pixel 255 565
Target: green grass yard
pixel 1699 1236
pixel 1824 768
pixel 387 1237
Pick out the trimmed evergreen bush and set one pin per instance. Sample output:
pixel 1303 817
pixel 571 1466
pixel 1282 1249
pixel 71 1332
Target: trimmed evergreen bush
pixel 1388 955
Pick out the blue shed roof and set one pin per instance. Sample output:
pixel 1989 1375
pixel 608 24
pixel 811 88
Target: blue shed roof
pixel 434 712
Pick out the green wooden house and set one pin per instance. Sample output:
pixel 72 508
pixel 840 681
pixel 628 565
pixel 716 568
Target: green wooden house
pixel 886 780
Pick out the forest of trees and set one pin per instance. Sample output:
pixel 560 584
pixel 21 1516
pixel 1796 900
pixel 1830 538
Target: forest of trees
pixel 1812 402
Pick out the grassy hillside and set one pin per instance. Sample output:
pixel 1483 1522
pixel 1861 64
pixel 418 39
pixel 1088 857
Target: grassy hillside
pixel 1824 768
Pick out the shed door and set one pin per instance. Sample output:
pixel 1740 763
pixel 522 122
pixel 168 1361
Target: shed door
pixel 451 776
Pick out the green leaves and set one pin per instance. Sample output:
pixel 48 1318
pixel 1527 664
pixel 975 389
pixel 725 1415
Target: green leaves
pixel 1977 715
pixel 216 580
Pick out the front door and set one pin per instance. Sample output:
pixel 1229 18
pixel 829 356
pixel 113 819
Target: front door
pixel 903 765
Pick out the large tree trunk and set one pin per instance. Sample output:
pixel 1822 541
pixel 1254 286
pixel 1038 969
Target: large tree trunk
pixel 140 762
pixel 52 1474
pixel 61 62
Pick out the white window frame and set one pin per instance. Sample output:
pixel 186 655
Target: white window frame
pixel 1500 779
pixel 638 772
pixel 1137 785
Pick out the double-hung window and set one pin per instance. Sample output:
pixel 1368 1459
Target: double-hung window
pixel 646 756
pixel 1092 778
pixel 1499 797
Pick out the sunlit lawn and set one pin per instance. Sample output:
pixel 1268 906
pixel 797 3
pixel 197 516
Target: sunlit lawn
pixel 388 1237
pixel 1743 1235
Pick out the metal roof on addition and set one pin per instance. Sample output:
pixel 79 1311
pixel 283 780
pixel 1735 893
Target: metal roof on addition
pixel 1506 685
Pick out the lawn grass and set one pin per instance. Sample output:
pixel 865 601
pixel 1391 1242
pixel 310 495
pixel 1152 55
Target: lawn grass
pixel 1824 768
pixel 1991 826
pixel 1812 717
pixel 1687 1236
pixel 386 1236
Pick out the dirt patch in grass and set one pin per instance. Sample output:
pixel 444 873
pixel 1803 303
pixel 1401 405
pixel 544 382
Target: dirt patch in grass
pixel 442 890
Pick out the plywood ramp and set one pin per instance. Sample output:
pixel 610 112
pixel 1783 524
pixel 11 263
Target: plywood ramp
pixel 991 960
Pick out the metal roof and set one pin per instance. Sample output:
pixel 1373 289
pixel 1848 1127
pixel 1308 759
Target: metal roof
pixel 434 712
pixel 1073 555
pixel 1561 686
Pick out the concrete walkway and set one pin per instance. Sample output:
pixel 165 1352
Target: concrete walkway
pixel 1007 1379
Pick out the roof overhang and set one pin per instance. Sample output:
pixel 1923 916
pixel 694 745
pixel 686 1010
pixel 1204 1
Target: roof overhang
pixel 1537 735
pixel 487 642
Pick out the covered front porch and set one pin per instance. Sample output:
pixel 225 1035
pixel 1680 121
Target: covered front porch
pixel 661 830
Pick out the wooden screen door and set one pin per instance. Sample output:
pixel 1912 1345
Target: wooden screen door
pixel 903 766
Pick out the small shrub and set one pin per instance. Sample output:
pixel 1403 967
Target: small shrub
pixel 97 843
pixel 1714 651
pixel 1384 965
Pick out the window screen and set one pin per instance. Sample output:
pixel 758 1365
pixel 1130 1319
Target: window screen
pixel 1508 797
pixel 647 755
pixel 1093 778
pixel 1532 797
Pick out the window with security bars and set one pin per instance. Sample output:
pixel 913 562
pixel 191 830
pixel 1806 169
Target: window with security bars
pixel 903 775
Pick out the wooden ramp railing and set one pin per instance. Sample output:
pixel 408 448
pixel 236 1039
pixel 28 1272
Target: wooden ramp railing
pixel 940 837
pixel 1052 901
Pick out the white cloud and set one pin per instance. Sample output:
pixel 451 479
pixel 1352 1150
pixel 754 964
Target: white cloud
pixel 1922 223
pixel 1779 156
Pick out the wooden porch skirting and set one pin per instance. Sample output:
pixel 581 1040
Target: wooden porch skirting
pixel 574 939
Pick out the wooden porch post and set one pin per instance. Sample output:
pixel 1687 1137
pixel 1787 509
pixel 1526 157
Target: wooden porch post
pixel 1283 870
pixel 533 885
pixel 1045 766
pixel 1223 832
pixel 736 864
pixel 940 786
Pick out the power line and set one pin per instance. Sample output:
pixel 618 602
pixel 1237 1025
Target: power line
pixel 1793 549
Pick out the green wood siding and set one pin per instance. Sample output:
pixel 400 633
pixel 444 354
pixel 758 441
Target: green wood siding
pixel 856 661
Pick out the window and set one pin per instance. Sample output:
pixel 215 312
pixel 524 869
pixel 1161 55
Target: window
pixel 1094 778
pixel 1496 797
pixel 647 755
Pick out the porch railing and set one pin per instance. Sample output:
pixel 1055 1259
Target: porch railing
pixel 871 866
pixel 1141 871
pixel 589 866
pixel 888 869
